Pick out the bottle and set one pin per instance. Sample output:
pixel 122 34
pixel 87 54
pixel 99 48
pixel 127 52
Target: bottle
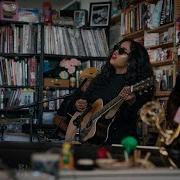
pixel 47 12
pixel 163 86
pixel 45 104
pixel 72 81
pixel 1 99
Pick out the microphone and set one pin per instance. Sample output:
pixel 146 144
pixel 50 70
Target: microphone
pixel 177 116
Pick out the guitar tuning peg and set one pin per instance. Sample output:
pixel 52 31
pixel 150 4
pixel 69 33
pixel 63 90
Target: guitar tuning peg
pixel 145 90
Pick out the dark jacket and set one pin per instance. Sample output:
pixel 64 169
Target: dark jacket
pixel 127 115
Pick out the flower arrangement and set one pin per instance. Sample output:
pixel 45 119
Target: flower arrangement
pixel 70 64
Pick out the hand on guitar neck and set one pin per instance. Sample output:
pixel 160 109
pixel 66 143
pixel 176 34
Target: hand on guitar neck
pixel 127 95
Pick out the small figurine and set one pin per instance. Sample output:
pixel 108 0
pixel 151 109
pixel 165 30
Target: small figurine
pixel 67 159
pixel 103 153
pixel 129 143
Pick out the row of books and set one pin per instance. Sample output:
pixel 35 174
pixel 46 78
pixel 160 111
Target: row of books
pixel 78 42
pixel 146 15
pixel 53 105
pixel 161 55
pixel 11 98
pixel 18 72
pixel 153 39
pixel 20 39
pixel 164 78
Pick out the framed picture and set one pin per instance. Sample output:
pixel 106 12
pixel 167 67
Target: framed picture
pixel 100 14
pixel 80 18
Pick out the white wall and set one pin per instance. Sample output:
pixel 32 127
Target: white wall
pixel 57 4
pixel 85 4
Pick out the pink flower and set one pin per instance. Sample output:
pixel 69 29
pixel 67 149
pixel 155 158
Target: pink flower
pixel 75 62
pixel 71 69
pixel 70 64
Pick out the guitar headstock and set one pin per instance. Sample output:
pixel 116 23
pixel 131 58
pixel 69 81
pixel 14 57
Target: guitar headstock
pixel 143 85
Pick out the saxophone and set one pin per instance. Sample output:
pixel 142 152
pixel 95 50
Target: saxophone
pixel 153 114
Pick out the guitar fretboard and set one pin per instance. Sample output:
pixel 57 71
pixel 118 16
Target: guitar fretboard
pixel 119 99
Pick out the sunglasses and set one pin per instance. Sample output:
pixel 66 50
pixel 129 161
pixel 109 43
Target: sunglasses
pixel 120 50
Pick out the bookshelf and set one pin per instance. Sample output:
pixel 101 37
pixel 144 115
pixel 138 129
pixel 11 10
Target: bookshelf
pixel 21 41
pixel 139 29
pixel 164 45
pixel 161 28
pixel 162 93
pixel 19 63
pixel 89 45
pixel 162 63
pixel 138 23
pixel 135 34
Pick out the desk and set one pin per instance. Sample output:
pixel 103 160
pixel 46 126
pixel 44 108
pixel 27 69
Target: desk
pixel 129 174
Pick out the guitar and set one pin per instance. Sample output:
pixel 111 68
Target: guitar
pixel 93 127
pixel 62 121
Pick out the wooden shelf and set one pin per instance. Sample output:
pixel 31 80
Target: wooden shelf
pixel 83 58
pixel 15 111
pixel 162 93
pixel 164 45
pixel 48 88
pixel 5 22
pixel 18 55
pixel 140 33
pixel 160 28
pixel 6 86
pixel 133 35
pixel 162 63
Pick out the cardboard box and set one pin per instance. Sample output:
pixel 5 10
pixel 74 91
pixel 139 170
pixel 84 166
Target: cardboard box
pixel 52 82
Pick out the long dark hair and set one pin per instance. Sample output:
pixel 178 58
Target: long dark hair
pixel 139 66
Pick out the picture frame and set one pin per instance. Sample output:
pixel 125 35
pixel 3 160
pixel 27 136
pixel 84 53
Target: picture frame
pixel 100 14
pixel 80 18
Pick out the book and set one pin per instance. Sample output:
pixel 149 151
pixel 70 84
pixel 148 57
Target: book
pixel 151 39
pixel 178 30
pixel 28 15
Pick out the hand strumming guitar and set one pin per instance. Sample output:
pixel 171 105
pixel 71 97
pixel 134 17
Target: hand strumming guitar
pixel 81 104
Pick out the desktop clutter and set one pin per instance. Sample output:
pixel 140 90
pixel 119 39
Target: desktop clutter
pixel 127 155
pixel 93 158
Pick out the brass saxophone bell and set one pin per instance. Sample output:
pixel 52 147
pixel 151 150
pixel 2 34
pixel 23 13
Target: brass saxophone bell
pixel 152 113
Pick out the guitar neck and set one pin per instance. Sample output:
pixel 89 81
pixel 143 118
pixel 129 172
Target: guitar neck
pixel 119 100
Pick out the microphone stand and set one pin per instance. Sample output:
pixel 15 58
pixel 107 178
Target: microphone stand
pixel 31 110
pixel 32 105
pixel 77 123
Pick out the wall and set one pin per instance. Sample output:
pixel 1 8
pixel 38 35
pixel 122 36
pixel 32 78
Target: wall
pixel 85 4
pixel 57 4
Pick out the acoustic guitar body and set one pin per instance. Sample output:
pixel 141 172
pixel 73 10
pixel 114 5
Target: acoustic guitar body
pixel 95 130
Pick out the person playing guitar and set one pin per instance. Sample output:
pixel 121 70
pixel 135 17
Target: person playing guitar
pixel 67 108
pixel 127 65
